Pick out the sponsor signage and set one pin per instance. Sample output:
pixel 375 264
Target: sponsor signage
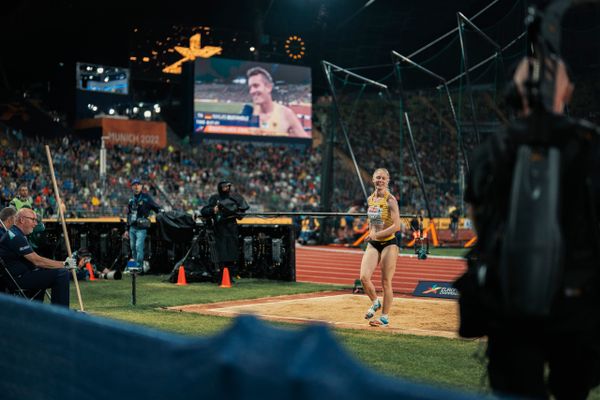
pixel 442 290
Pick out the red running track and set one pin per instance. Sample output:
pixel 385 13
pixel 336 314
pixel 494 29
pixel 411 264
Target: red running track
pixel 342 266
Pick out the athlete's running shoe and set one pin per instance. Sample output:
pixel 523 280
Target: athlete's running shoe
pixel 372 310
pixel 380 322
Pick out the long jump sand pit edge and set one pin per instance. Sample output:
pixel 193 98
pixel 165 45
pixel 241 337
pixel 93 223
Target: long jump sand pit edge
pixel 409 315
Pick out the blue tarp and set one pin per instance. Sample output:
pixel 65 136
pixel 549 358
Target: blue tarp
pixel 48 352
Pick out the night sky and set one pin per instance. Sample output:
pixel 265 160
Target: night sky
pixel 37 38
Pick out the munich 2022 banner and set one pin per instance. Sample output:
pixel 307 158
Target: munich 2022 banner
pixel 126 132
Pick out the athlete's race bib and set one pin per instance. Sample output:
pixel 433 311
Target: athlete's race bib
pixel 374 214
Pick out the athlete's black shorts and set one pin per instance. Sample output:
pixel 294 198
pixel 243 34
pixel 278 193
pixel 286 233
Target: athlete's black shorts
pixel 379 246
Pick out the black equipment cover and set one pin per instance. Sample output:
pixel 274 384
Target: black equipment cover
pixel 176 226
pixel 532 249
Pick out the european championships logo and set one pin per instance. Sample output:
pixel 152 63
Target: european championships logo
pixel 436 289
pixel 433 290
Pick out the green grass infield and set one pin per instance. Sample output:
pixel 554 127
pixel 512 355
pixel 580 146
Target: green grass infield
pixel 444 362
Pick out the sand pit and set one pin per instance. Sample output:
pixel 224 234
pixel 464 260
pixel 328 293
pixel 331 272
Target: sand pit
pixel 410 315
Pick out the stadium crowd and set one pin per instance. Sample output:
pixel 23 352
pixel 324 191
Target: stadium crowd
pixel 271 177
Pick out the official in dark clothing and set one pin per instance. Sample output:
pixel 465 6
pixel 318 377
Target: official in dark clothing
pixel 421 240
pixel 454 220
pixel 224 208
pixel 30 270
pixel 138 211
pixel 567 341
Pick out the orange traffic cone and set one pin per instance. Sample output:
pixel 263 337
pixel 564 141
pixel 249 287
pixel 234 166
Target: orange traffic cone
pixel 225 282
pixel 90 270
pixel 181 277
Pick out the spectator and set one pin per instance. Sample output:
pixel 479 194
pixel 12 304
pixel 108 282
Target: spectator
pixel 22 199
pixel 7 219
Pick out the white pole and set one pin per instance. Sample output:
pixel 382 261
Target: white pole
pixel 102 160
pixel 64 225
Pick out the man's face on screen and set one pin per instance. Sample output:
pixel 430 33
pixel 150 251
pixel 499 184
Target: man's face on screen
pixel 260 89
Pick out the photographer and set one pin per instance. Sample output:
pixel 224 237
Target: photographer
pixel 224 208
pixel 138 211
pixel 563 334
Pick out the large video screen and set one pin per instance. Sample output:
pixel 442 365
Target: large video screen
pixel 101 78
pixel 234 97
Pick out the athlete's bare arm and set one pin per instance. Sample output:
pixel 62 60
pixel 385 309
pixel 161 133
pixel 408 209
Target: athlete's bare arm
pixel 295 127
pixel 395 226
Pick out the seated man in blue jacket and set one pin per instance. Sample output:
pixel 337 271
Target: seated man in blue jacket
pixel 30 270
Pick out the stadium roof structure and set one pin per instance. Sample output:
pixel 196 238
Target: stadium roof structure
pixel 38 39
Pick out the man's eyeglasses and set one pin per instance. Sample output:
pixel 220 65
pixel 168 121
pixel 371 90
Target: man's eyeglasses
pixel 31 218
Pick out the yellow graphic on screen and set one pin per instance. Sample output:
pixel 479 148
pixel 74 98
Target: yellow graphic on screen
pixel 190 54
